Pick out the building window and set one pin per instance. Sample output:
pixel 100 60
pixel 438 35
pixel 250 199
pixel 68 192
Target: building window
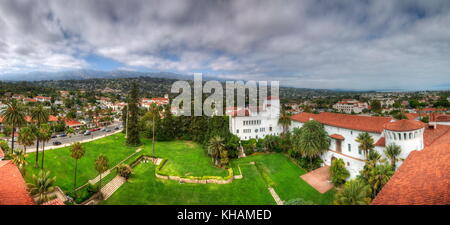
pixel 237 131
pixel 348 164
pixel 351 132
pixel 349 147
pixel 359 151
pixel 270 129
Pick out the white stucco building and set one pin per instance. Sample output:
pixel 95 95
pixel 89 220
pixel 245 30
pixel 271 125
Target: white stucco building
pixel 350 105
pixel 248 123
pixel 344 129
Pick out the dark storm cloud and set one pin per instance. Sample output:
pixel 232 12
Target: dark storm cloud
pixel 324 44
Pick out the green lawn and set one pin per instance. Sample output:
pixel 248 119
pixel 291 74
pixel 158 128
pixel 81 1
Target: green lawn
pixel 61 165
pixel 285 178
pixel 144 188
pixel 184 158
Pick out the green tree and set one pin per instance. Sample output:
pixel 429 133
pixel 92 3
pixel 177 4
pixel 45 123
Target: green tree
pixel 76 152
pixel 39 115
pixel 379 175
pixel 338 172
pixel 311 140
pixel 42 185
pixel 70 131
pixel 354 192
pixel 284 121
pixel 124 171
pixel 392 152
pixel 26 137
pixel 366 143
pixel 14 116
pixel 215 147
pixel 133 117
pixel 101 165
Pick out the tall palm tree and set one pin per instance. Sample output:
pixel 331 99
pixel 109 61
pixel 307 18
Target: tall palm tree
pixel 284 120
pixel 26 137
pixel 39 115
pixel 101 165
pixel 38 137
pixel 215 147
pixel 311 140
pixel 354 192
pixel 392 152
pixel 76 152
pixel 42 185
pixel 46 135
pixel 14 116
pixel 365 142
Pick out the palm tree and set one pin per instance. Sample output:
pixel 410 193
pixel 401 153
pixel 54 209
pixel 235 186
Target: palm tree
pixel 14 116
pixel 42 184
pixel 18 158
pixel 46 135
pixel 284 120
pixel 101 165
pixel 215 147
pixel 365 142
pixel 76 152
pixel 26 137
pixel 379 175
pixel 355 192
pixel 38 138
pixel 39 115
pixel 311 140
pixel 392 152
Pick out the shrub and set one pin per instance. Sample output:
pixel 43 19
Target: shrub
pixel 124 171
pixel 338 172
pixel 309 164
pixel 298 201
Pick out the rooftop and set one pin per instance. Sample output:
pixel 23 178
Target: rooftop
pixel 363 123
pixel 422 179
pixel 13 189
pixel 404 125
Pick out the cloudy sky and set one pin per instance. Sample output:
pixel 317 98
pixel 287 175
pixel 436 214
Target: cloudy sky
pixel 316 44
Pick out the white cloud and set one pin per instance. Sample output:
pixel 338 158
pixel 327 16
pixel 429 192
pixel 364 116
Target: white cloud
pixel 326 44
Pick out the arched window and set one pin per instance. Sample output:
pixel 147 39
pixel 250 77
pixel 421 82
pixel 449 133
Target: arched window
pixel 404 136
pixel 399 136
pixel 410 135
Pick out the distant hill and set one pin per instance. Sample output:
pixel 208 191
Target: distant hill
pixel 88 74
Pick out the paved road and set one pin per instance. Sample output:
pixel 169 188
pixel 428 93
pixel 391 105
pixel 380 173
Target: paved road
pixel 69 140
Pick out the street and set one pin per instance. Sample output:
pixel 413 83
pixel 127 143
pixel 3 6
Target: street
pixel 69 140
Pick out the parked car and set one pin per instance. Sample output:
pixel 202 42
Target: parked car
pixel 107 130
pixel 62 135
pixel 54 136
pixel 87 133
pixel 116 128
pixel 57 143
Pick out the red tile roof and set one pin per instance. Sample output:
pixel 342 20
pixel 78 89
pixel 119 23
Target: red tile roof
pixel 411 116
pixel 432 135
pixel 55 201
pixel 422 179
pixel 337 136
pixel 354 122
pixel 404 125
pixel 72 123
pixel 381 142
pixel 13 190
